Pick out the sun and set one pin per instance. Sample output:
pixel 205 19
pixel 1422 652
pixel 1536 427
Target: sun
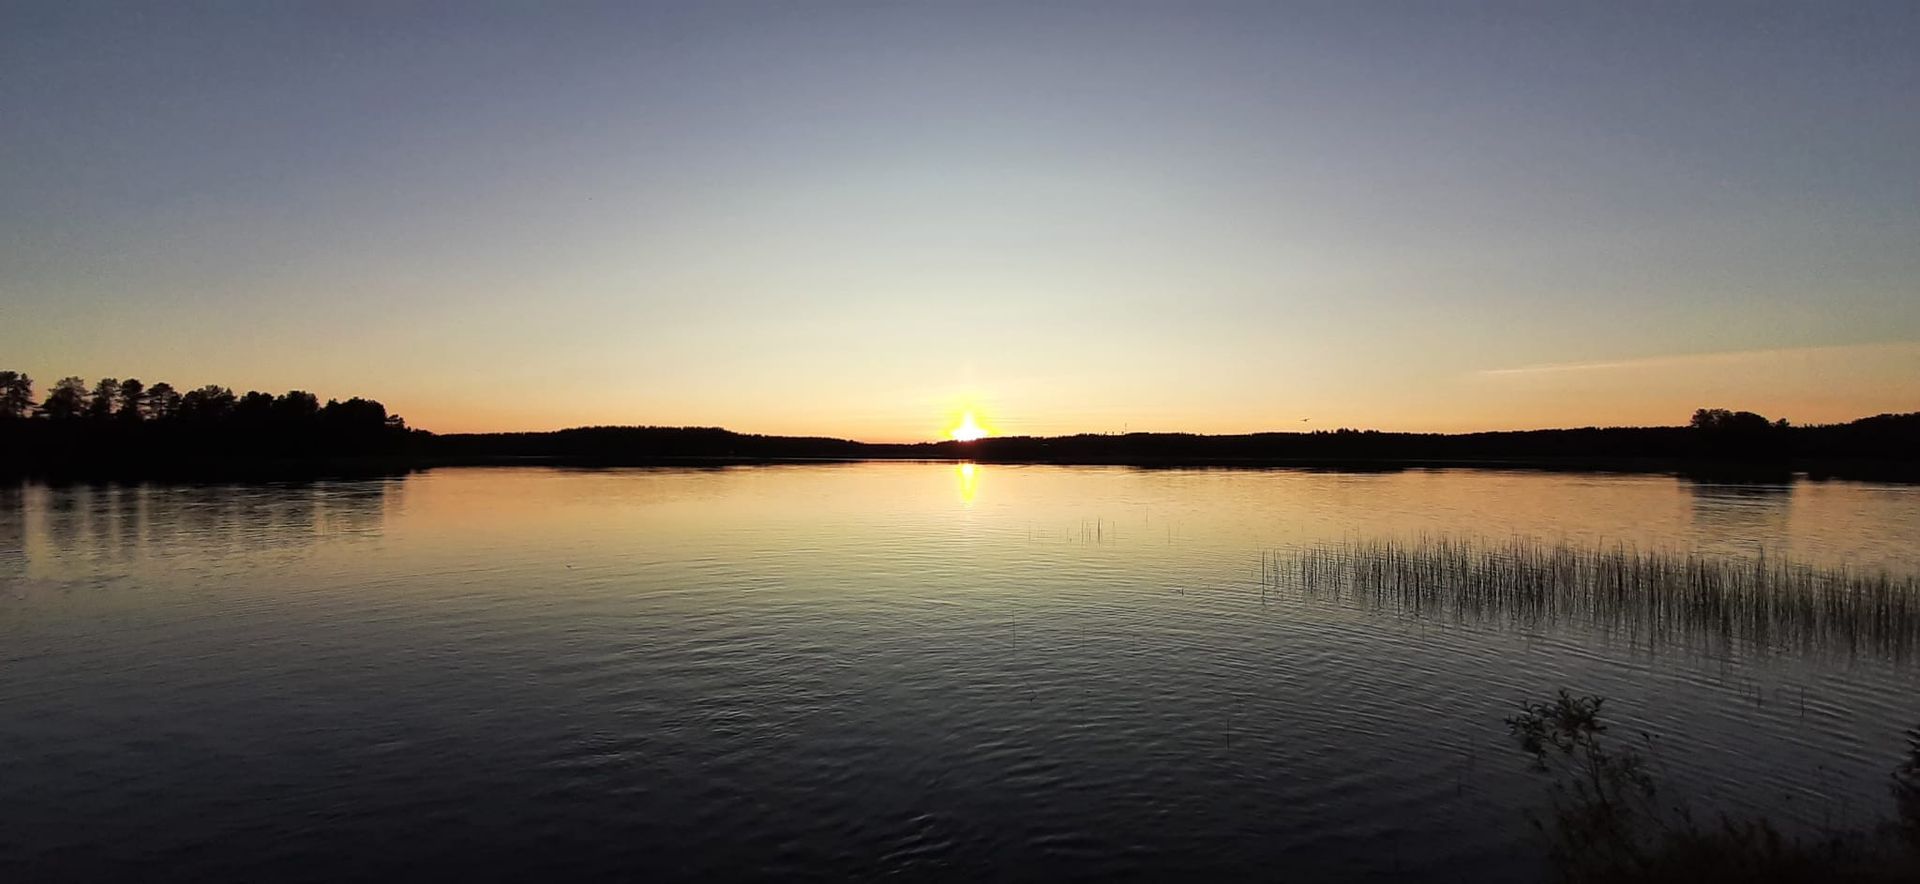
pixel 968 430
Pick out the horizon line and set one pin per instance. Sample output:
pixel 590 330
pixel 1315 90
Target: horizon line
pixel 1350 429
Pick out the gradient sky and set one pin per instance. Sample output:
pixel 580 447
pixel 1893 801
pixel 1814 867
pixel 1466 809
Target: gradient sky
pixel 861 219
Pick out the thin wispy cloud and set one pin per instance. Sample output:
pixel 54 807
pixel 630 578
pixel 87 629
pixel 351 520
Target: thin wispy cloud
pixel 1727 356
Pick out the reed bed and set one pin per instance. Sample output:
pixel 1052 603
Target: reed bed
pixel 1655 596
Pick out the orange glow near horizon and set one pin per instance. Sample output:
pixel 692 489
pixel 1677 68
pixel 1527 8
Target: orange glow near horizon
pixel 1806 385
pixel 968 430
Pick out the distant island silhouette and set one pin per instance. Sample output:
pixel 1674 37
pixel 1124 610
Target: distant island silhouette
pixel 124 429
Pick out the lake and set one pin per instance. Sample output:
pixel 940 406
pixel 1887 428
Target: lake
pixel 919 669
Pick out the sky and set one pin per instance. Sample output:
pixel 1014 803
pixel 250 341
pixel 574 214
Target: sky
pixel 864 219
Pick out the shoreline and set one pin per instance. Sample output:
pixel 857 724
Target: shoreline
pixel 296 469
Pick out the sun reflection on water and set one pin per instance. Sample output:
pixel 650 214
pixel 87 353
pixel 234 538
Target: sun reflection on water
pixel 969 476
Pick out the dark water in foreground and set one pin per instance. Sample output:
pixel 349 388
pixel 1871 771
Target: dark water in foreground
pixel 918 669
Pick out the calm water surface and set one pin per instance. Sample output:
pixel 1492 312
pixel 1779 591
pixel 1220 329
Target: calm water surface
pixel 823 671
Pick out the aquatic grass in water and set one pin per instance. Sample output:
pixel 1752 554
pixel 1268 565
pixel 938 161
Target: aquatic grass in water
pixel 1611 819
pixel 1656 596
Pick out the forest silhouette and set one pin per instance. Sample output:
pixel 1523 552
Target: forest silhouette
pixel 125 428
pixel 117 428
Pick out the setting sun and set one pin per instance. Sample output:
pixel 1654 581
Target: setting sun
pixel 969 429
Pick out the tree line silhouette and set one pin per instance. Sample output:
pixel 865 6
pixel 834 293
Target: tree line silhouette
pixel 133 401
pixel 1715 443
pixel 126 428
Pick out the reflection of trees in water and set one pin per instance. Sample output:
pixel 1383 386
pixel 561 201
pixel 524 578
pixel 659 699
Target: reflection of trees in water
pixel 62 522
pixel 13 532
pixel 128 513
pixel 355 509
pixel 111 522
pixel 1748 514
pixel 1654 597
